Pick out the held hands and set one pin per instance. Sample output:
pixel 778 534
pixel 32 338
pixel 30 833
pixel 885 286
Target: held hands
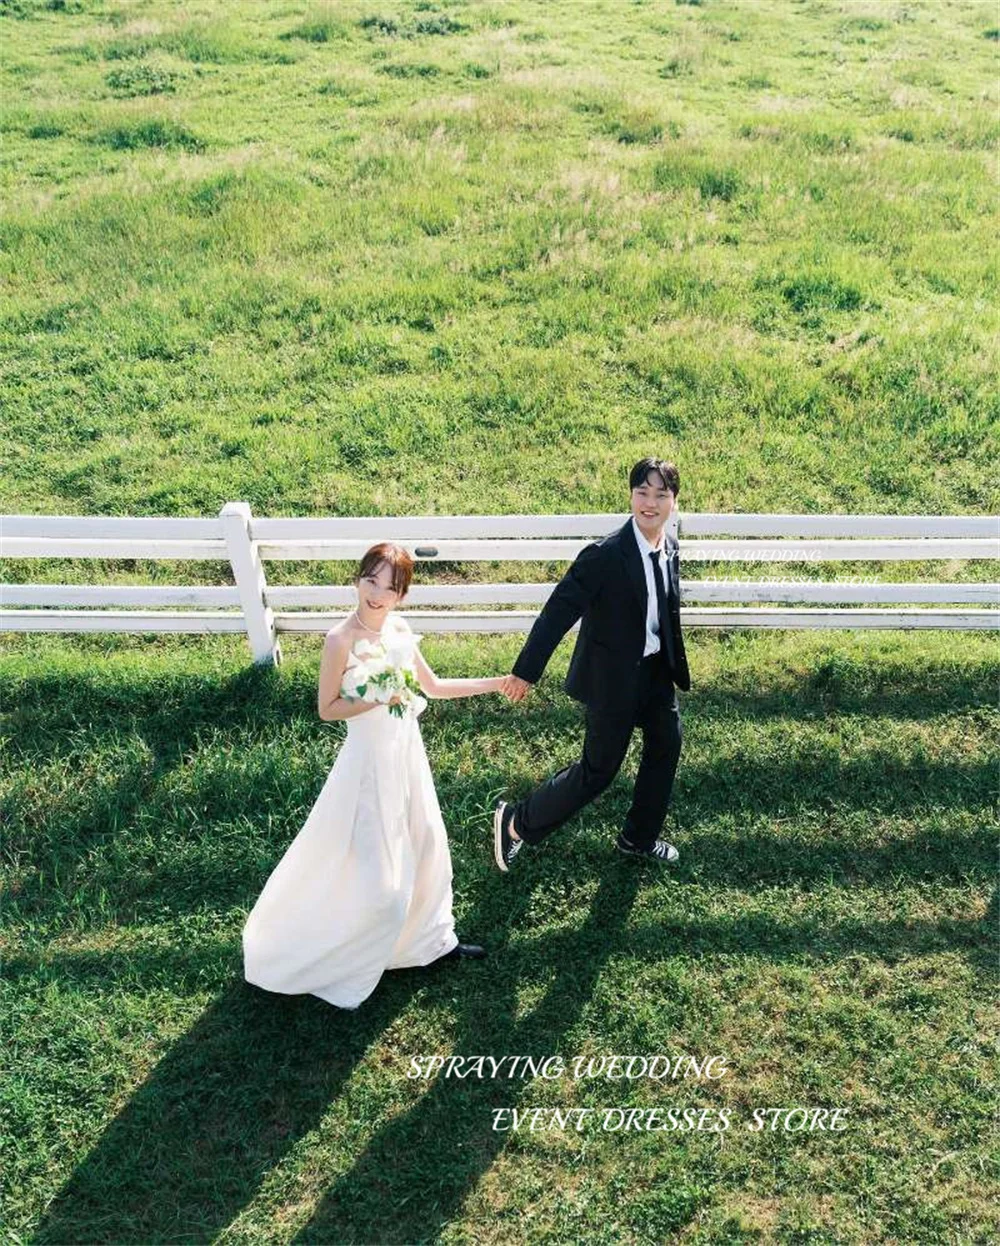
pixel 515 689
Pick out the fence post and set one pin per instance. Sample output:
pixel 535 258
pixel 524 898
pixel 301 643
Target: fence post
pixel 248 572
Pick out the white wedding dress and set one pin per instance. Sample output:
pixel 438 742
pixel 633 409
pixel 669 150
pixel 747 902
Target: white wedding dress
pixel 365 886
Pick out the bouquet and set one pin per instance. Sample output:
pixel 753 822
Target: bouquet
pixel 378 675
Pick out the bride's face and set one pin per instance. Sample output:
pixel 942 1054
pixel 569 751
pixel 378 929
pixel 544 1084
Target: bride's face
pixel 375 592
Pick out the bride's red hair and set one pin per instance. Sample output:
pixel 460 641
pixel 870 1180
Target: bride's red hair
pixel 397 559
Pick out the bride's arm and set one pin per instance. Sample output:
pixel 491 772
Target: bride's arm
pixel 331 705
pixel 439 688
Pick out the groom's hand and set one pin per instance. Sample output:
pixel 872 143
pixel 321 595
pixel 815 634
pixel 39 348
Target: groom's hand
pixel 515 689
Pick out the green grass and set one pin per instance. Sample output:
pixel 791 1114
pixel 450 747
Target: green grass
pixel 826 929
pixel 385 257
pixel 450 257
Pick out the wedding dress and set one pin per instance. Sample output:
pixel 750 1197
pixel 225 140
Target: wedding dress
pixel 365 886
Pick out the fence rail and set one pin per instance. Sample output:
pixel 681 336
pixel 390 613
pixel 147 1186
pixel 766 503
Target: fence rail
pixel 263 612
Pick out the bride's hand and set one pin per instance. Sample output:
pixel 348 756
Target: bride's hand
pixel 515 689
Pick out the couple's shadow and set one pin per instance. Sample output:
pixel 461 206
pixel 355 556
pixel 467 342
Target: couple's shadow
pixel 257 1072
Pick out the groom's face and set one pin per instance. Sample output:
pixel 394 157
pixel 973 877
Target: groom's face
pixel 652 502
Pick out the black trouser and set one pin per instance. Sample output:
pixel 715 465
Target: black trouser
pixel 604 747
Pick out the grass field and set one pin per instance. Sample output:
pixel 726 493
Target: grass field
pixel 476 257
pixel 403 257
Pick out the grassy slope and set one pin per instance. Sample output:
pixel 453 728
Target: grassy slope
pixel 755 237
pixel 759 237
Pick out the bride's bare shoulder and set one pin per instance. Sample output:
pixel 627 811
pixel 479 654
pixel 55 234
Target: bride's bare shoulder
pixel 341 635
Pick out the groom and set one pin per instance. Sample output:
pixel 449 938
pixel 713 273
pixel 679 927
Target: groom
pixel 628 661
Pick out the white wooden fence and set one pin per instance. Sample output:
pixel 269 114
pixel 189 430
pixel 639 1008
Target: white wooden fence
pixel 264 612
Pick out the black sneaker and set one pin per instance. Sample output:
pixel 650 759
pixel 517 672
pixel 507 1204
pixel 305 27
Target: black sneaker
pixel 461 951
pixel 465 951
pixel 505 846
pixel 660 851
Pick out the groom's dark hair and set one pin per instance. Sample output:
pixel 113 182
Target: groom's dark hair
pixel 667 472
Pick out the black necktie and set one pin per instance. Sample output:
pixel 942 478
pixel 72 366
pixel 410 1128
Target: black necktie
pixel 666 636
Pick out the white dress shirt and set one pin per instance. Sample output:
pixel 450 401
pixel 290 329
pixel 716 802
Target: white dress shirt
pixel 652 607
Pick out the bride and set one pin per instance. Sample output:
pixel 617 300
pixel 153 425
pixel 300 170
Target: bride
pixel 365 886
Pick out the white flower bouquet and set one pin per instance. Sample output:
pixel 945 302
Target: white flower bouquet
pixel 378 675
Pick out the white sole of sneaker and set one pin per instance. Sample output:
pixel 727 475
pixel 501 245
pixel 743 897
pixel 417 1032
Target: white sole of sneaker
pixel 498 835
pixel 646 856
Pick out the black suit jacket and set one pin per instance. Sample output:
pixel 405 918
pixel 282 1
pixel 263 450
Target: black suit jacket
pixel 606 589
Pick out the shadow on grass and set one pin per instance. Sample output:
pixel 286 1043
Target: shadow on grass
pixel 229 1099
pixel 143 732
pixel 171 712
pixel 257 1072
pixel 168 712
pixel 198 867
pixel 751 859
pixel 805 941
pixel 414 1175
pixel 220 1109
pixel 127 736
pixel 213 960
